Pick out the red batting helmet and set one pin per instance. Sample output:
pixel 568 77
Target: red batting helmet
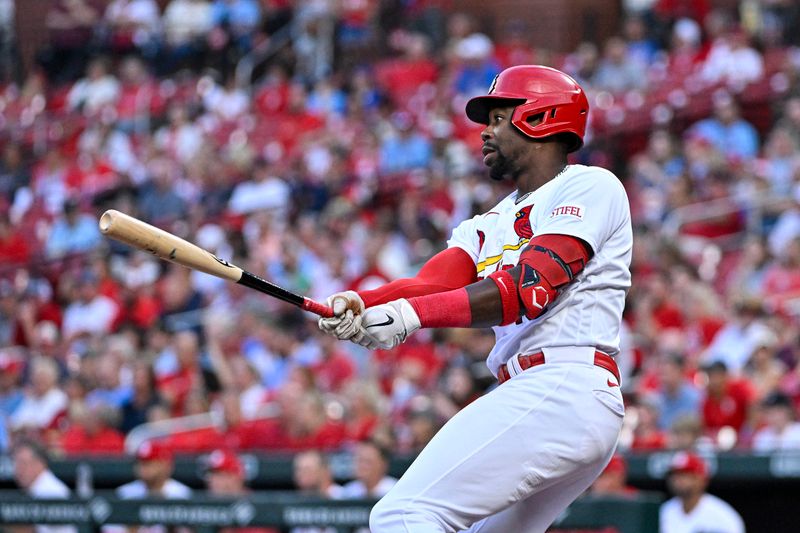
pixel 536 90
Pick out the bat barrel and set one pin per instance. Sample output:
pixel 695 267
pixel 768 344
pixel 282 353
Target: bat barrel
pixel 169 247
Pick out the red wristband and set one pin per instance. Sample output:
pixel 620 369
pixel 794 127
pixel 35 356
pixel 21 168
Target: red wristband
pixel 508 296
pixel 443 310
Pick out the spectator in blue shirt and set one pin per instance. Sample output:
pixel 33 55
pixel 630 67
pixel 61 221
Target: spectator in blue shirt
pixel 405 150
pixel 73 232
pixel 727 130
pixel 642 48
pixel 239 17
pixel 158 202
pixel 478 68
pixel 677 397
pixel 11 365
pixel 110 390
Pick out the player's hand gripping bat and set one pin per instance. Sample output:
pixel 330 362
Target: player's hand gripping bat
pixel 169 247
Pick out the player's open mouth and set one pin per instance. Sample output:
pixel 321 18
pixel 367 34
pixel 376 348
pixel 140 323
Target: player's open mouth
pixel 487 152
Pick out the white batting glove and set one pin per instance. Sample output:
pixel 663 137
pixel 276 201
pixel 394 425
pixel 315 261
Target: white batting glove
pixel 346 320
pixel 386 326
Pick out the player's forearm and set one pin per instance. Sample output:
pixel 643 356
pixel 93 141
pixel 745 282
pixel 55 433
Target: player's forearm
pixel 479 305
pixel 546 265
pixel 486 302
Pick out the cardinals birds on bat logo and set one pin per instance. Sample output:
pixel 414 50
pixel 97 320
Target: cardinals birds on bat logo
pixel 522 224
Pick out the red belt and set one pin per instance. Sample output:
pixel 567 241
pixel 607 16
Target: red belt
pixel 529 361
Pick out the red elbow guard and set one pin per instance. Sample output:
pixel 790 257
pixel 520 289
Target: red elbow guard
pixel 549 263
pixel 535 292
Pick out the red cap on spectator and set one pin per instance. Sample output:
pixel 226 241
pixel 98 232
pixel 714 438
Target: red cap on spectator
pixel 688 463
pixel 617 464
pixel 153 451
pixel 224 461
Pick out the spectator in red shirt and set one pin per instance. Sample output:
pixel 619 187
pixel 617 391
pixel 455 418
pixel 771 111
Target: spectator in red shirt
pixel 175 386
pixel 781 282
pixel 403 77
pixel 91 431
pixel 14 249
pixel 363 400
pixel 311 428
pixel 296 124
pixel 674 9
pixel 139 96
pixel 514 47
pixel 273 95
pixel 335 368
pixel 237 432
pixel 664 311
pixel 647 435
pixel 613 480
pixel 728 400
pixel 686 54
pixel 303 422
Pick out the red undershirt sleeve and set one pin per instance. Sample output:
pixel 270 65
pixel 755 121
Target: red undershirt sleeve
pixel 450 269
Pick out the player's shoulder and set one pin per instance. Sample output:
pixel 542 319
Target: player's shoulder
pixel 503 204
pixel 500 207
pixel 595 176
pixel 670 506
pixel 353 489
pixel 175 489
pixel 47 485
pixel 134 489
pixel 718 505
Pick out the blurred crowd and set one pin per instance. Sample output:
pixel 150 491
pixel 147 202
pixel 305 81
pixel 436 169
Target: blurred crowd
pixel 342 161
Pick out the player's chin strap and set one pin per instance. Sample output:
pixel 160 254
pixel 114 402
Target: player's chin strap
pixel 549 263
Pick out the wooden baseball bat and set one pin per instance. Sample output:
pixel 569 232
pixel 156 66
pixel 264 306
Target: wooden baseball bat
pixel 169 247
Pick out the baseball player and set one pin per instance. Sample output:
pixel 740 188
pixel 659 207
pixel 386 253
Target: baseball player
pixel 692 509
pixel 548 268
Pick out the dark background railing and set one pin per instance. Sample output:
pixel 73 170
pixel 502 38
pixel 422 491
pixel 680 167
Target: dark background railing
pixel 763 488
pixel 285 511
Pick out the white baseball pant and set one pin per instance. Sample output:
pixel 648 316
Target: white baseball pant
pixel 515 458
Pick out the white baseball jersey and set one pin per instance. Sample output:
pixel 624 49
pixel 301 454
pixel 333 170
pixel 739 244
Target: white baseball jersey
pixel 173 490
pixel 710 515
pixel 135 490
pixel 589 203
pixel 47 486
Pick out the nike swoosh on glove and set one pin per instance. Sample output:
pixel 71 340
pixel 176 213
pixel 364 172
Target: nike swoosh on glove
pixel 346 320
pixel 387 325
